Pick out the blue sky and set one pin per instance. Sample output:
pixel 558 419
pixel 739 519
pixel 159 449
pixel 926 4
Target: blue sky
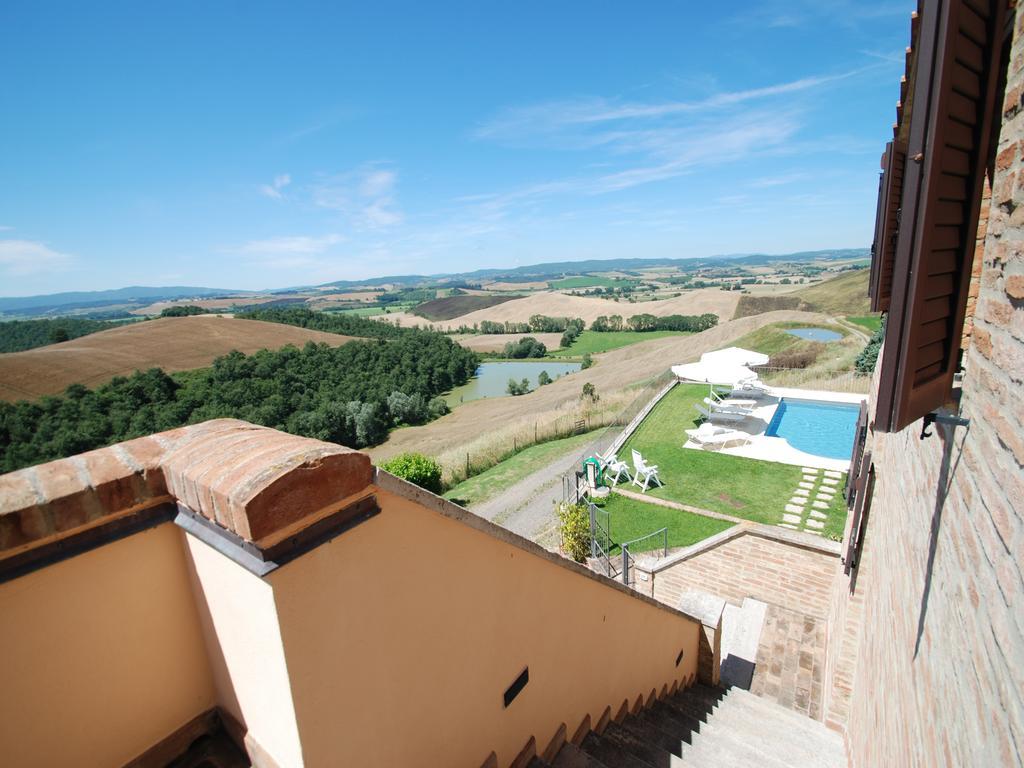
pixel 255 145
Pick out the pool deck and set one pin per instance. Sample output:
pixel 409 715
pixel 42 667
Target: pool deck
pixel 778 449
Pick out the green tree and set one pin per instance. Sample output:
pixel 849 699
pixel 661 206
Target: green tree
pixel 543 378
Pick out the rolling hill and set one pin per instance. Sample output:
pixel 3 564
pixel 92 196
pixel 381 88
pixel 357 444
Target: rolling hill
pixel 454 306
pixel 173 343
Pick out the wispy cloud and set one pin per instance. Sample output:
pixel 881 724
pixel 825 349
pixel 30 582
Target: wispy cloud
pixel 274 189
pixel 28 257
pixel 366 196
pixel 778 181
pixel 5 228
pixel 307 252
pixel 297 244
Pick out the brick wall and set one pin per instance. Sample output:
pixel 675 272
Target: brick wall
pixel 937 674
pixel 751 566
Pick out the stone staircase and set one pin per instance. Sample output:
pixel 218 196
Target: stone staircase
pixel 700 727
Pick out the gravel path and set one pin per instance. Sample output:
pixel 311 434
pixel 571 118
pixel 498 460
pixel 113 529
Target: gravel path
pixel 528 507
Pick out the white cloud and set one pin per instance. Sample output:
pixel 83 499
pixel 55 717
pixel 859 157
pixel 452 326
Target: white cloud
pixel 28 257
pixel 294 245
pixel 366 196
pixel 273 190
pixel 5 228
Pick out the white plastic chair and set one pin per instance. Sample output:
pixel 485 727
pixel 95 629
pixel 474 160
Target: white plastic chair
pixel 644 474
pixel 615 468
pixel 719 415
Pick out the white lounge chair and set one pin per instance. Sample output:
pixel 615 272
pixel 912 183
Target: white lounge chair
pixel 719 415
pixel 727 408
pixel 712 437
pixel 644 474
pixel 751 388
pixel 730 402
pixel 614 468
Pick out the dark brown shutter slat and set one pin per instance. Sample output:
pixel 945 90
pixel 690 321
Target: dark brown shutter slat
pixel 887 220
pixel 859 438
pixel 862 492
pixel 953 91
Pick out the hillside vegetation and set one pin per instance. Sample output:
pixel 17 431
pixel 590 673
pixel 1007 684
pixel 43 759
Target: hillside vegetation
pixel 19 335
pixel 451 307
pixel 173 343
pixel 351 394
pixel 843 295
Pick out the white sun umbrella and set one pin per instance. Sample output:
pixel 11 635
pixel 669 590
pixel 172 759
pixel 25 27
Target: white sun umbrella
pixel 713 372
pixel 735 356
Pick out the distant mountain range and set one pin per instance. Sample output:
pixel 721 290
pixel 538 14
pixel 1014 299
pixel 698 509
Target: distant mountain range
pixel 87 299
pixel 134 296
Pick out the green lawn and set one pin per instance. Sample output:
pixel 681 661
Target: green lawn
pixel 501 476
pixel 747 488
pixel 631 519
pixel 594 341
pixel 871 322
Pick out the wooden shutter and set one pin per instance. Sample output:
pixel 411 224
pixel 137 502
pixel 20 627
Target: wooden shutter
pixel 863 491
pixel 952 104
pixel 887 221
pixel 859 438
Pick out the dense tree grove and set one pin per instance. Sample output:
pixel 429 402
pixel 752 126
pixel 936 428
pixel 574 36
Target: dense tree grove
pixel 18 335
pixel 689 323
pixel 183 310
pixel 525 347
pixel 344 395
pixel 348 325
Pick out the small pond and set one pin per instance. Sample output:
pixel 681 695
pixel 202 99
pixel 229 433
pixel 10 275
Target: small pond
pixel 491 379
pixel 815 334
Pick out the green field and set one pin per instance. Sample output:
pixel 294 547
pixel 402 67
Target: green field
pixel 871 322
pixel 732 485
pixel 594 341
pixel 502 476
pixel 630 519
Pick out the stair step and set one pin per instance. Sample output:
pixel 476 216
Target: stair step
pixel 726 746
pixel 765 736
pixel 647 751
pixel 571 756
pixel 766 708
pixel 690 707
pixel 670 722
pixel 647 731
pixel 610 753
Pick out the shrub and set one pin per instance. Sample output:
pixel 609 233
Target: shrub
pixel 518 387
pixel 865 362
pixel 798 358
pixel 574 527
pixel 590 391
pixel 543 378
pixel 417 468
pixel 587 361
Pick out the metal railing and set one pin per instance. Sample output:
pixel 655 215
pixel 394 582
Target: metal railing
pixel 627 556
pixel 601 539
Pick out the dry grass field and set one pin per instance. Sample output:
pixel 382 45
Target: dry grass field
pixel 240 301
pixel 554 304
pixel 171 343
pixel 495 342
pixel 481 424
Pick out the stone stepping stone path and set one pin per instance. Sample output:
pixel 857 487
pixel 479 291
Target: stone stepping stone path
pixel 806 510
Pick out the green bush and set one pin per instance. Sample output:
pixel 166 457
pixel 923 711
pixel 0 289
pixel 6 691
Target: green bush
pixel 574 527
pixel 417 469
pixel 865 362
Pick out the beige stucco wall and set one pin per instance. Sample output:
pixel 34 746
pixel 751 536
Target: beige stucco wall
pixel 402 635
pixel 243 641
pixel 102 655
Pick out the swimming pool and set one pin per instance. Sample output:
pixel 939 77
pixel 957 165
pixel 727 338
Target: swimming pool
pixel 811 426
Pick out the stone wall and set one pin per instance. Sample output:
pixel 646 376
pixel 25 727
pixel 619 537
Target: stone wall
pixel 750 565
pixel 938 677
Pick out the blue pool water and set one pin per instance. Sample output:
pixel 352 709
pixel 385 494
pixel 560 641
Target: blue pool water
pixel 815 334
pixel 823 429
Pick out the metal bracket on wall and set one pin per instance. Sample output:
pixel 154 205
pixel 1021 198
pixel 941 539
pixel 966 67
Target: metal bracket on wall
pixel 942 418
